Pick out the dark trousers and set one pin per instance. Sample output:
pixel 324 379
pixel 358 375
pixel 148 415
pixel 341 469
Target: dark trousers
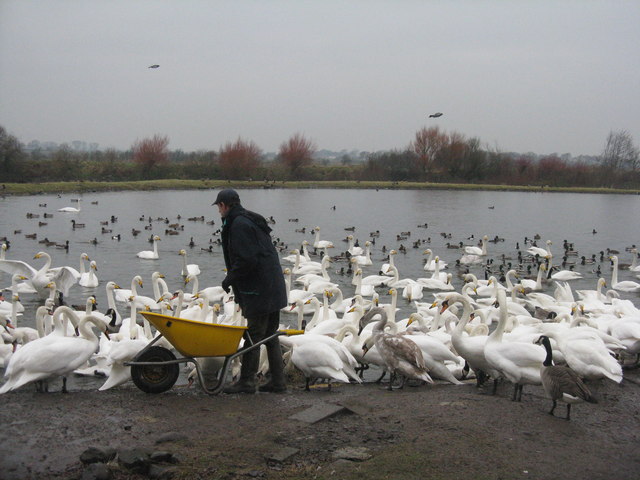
pixel 259 328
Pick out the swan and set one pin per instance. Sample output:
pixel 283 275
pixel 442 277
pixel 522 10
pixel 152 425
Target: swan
pixel 386 267
pixel 364 290
pixel 53 355
pixel 625 286
pixel 69 209
pixel 111 301
pixel 317 360
pixel 435 354
pixel 430 264
pixel 561 382
pixel 123 294
pixel 20 284
pixel 588 356
pixel 352 249
pixel 436 284
pixel 310 269
pixel 518 362
pixel 365 259
pixel 399 353
pixel 188 269
pixel 7 306
pixel 150 254
pixel 541 251
pixel 65 277
pixel 478 251
pixel 563 275
pixel 21 335
pixel 90 279
pixel 471 348
pixel 534 285
pixel 317 243
pixel 123 351
pixel 160 287
pixel 214 293
pixel 380 280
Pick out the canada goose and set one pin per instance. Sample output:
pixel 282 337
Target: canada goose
pixel 561 382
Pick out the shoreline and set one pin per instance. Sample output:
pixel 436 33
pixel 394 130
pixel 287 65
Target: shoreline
pixel 175 184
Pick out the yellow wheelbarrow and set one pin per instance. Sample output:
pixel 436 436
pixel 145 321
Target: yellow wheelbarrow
pixel 155 369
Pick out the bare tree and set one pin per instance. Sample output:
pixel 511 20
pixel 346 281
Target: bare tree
pixel 428 145
pixel 297 153
pixel 619 152
pixel 151 152
pixel 239 159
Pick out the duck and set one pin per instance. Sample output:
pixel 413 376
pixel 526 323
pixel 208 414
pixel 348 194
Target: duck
pixel 560 382
pixel 518 362
pixel 150 254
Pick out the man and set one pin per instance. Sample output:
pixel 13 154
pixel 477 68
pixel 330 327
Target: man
pixel 255 274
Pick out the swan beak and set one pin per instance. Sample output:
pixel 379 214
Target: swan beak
pixel 106 334
pixel 445 305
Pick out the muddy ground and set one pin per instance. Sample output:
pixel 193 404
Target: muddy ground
pixel 426 432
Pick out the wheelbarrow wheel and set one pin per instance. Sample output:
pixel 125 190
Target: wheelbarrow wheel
pixel 155 378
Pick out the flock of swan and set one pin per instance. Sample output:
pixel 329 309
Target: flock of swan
pixel 505 327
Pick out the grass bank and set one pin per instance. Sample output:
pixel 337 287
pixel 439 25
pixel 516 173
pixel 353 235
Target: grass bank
pixel 83 187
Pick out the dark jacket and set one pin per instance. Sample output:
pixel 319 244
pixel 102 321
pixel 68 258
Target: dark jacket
pixel 253 264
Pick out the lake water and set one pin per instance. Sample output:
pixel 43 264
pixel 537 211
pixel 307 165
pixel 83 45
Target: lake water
pixel 459 214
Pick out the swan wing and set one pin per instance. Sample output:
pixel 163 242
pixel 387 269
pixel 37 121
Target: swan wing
pixel 18 267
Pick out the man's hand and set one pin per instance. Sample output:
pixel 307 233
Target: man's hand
pixel 226 286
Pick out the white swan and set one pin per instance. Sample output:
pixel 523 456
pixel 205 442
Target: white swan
pixel 437 284
pixel 471 348
pixel 535 285
pixel 624 286
pixel 52 356
pixel 478 251
pixel 386 267
pixel 317 243
pixel 352 249
pixel 69 209
pixel 90 278
pixel 429 264
pixel 541 251
pixel 150 254
pixel 188 269
pixel 518 362
pixel 64 277
pixel 365 259
pixel 133 340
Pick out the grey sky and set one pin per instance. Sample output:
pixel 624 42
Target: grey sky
pixel 541 76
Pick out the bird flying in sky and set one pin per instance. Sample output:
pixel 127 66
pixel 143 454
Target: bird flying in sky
pixel 435 115
pixel 156 66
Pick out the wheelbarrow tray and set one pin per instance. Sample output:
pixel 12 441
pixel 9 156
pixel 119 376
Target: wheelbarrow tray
pixel 197 339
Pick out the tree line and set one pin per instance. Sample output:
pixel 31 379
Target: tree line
pixel 432 156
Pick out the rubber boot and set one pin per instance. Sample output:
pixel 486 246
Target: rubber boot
pixel 247 381
pixel 277 382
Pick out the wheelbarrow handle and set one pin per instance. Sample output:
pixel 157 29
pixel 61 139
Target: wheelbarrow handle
pixel 290 331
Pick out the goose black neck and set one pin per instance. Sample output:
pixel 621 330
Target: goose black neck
pixel 548 361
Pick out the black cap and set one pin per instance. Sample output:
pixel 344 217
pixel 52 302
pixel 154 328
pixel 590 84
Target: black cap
pixel 228 196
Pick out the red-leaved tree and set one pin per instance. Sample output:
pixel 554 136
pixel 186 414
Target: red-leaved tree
pixel 151 152
pixel 239 159
pixel 297 153
pixel 428 145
